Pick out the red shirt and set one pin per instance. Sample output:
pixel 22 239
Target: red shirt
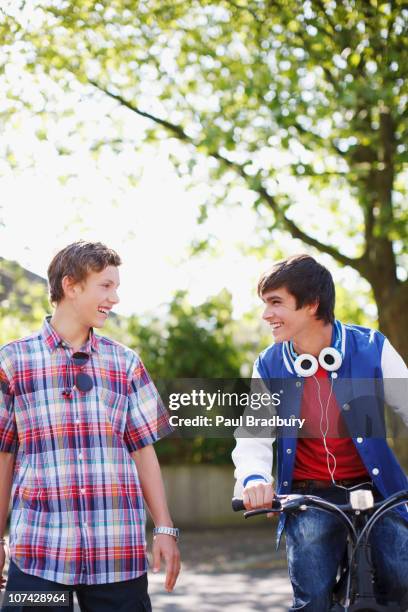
pixel 311 457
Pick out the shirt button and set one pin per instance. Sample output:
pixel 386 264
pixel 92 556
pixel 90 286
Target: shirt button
pixel 77 421
pixel 80 456
pixel 83 491
pixel 289 450
pixel 359 440
pixel 285 483
pixel 85 524
pixel 298 384
pixel 375 471
pixel 346 406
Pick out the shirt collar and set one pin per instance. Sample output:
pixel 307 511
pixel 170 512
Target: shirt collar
pixel 53 340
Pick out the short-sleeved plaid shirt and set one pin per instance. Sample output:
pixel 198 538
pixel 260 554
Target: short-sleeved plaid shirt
pixel 78 515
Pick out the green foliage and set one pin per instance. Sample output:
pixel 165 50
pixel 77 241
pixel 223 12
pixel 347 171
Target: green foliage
pixel 357 308
pixel 198 450
pixel 23 301
pixel 194 342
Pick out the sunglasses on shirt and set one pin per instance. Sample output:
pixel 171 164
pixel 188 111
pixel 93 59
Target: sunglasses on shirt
pixel 82 381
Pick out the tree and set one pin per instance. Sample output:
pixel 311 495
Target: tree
pixel 194 342
pixel 238 82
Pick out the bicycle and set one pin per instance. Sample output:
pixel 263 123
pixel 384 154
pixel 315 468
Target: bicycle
pixel 354 590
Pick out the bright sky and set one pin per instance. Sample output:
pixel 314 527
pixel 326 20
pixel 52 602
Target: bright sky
pixel 150 224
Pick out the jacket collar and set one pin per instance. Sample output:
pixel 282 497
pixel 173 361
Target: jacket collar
pixel 338 341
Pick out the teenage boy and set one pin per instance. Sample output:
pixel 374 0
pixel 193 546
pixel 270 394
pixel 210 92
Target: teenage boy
pixel 78 416
pixel 317 353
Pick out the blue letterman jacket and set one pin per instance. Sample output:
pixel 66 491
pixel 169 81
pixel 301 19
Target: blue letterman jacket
pixel 365 378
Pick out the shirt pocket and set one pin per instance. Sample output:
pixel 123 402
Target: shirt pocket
pixel 114 406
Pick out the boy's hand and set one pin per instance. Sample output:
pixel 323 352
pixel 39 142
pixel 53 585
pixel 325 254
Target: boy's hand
pixel 165 546
pixel 2 563
pixel 258 495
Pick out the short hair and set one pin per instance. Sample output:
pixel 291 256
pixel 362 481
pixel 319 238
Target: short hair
pixel 306 279
pixel 77 260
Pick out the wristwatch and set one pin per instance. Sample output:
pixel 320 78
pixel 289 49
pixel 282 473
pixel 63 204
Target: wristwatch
pixel 171 531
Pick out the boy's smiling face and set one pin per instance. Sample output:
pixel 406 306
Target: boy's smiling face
pixel 93 298
pixel 281 313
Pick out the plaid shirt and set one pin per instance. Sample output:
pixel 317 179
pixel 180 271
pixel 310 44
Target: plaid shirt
pixel 78 515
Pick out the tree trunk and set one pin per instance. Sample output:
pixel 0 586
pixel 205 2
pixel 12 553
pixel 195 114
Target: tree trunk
pixel 392 304
pixel 393 315
pixel 391 296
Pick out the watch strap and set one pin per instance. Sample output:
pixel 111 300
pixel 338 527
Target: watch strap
pixel 171 531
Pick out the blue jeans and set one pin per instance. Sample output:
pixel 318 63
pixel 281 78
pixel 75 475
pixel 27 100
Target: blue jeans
pixel 316 544
pixel 126 596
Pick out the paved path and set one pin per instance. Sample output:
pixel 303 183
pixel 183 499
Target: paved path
pixel 231 569
pixel 260 590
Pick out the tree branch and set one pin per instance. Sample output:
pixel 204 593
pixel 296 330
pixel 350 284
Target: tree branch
pixel 324 141
pixel 284 221
pixel 175 129
pixel 296 232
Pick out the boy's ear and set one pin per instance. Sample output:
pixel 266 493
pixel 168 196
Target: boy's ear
pixel 313 307
pixel 70 287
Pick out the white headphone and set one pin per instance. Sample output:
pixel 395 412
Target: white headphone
pixel 329 358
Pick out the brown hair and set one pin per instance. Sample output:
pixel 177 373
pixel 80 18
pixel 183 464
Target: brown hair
pixel 77 260
pixel 306 279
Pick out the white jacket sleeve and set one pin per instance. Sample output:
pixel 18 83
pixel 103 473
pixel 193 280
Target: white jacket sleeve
pixel 252 456
pixel 395 375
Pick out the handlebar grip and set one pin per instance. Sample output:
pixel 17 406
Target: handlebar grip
pixel 237 504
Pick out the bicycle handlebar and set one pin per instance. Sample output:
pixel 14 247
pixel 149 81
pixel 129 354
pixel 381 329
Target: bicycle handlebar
pixel 291 503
